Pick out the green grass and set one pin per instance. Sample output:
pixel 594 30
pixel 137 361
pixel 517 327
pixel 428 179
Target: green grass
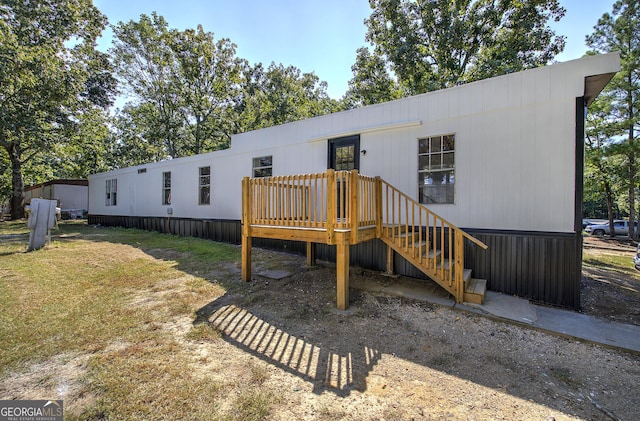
pixel 109 293
pixel 253 405
pixel 14 227
pixel 611 261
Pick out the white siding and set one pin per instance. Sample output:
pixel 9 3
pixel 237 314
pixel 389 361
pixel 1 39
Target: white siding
pixel 515 157
pixel 71 197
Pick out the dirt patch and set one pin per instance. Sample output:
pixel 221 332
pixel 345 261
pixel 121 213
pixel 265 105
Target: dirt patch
pixel 619 244
pixel 384 358
pixel 393 358
pixel 606 293
pixel 62 377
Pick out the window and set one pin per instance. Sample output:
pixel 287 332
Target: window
pixel 204 186
pixel 344 153
pixel 166 188
pixel 345 157
pixel 263 166
pixel 436 169
pixel 111 197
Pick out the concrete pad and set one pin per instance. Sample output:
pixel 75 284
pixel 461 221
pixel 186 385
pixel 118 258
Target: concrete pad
pixel 274 274
pixel 507 307
pixel 561 322
pixel 581 326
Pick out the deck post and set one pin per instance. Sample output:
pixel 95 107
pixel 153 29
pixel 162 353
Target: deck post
pixel 342 274
pixel 246 229
pixel 311 253
pixel 355 205
pixel 378 204
pixel 459 266
pixel 331 205
pixel 389 260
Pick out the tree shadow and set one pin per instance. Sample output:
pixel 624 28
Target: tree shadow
pixel 339 369
pixel 291 323
pixel 11 241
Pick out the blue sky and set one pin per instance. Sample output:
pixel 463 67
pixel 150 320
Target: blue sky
pixel 319 36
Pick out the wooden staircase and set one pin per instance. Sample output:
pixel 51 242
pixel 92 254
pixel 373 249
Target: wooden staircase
pixel 430 262
pixel 342 208
pixel 431 244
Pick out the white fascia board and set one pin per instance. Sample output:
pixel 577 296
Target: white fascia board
pixel 377 128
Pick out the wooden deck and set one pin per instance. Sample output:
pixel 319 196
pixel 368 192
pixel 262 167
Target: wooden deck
pixel 342 208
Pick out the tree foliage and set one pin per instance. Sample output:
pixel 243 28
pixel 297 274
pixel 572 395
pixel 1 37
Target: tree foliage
pixel 435 44
pixel 191 93
pixel 602 164
pixel 88 150
pixel 210 87
pixel 148 70
pixel 137 141
pixel 183 84
pixel 281 94
pixel 620 31
pixel 49 72
pixel 371 82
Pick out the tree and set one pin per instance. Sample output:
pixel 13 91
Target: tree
pixel 620 31
pixel 209 86
pixel 5 179
pixel 371 82
pixel 191 93
pixel 46 59
pixel 148 70
pixel 280 95
pixel 137 143
pixel 602 162
pixel 89 149
pixel 435 44
pixel 185 84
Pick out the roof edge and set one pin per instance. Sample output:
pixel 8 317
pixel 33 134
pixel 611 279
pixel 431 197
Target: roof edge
pixel 63 181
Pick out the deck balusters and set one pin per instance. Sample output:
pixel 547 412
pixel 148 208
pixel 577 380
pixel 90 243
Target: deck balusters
pixel 348 208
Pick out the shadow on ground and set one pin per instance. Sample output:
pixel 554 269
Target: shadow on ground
pixel 290 322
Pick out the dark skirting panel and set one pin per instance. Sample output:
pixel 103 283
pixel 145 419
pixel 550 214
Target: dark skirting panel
pixel 222 230
pixel 543 267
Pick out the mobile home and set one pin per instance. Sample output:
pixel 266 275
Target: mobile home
pixel 501 158
pixel 72 196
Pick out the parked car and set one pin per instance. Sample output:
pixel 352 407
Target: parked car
pixel 621 228
pixel 586 222
pixel 636 258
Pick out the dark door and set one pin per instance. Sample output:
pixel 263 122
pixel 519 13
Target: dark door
pixel 344 153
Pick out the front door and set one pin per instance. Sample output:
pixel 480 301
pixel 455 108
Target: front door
pixel 344 153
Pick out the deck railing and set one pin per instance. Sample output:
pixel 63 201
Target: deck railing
pixel 426 238
pixel 334 199
pixel 349 201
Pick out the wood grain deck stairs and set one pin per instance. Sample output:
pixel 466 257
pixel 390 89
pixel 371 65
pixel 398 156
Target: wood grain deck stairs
pixel 418 250
pixel 343 208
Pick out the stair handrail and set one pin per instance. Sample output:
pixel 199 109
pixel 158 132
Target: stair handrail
pixel 420 205
pixel 449 270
